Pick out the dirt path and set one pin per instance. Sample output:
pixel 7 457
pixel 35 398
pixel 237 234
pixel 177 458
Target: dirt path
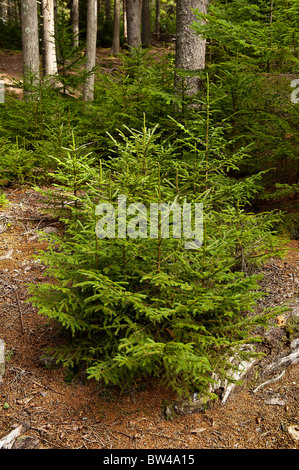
pixel 78 415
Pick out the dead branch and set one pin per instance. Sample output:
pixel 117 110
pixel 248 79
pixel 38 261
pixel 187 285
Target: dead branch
pixel 269 381
pixel 46 387
pixel 285 361
pixel 19 308
pixel 8 441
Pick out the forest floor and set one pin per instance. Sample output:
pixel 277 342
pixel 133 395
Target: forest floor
pixel 11 65
pixel 77 414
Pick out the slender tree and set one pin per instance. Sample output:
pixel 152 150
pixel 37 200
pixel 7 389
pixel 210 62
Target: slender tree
pixel 190 47
pixel 146 24
pixel 49 48
pixel 3 10
pixel 125 19
pixel 75 21
pixel 116 29
pixel 134 22
pixel 107 10
pixel 157 19
pixel 30 45
pixel 90 53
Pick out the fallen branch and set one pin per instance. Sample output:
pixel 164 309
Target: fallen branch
pixel 19 308
pixel 40 218
pixel 8 441
pixel 46 387
pixel 269 381
pixel 285 361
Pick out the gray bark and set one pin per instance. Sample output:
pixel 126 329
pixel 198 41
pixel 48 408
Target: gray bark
pixel 49 48
pixel 190 47
pixel 134 22
pixel 146 24
pixel 90 53
pixel 116 29
pixel 30 45
pixel 75 21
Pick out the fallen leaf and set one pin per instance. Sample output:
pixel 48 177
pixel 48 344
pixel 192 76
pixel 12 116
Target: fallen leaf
pixel 7 255
pixel 294 432
pixel 275 401
pixel 196 431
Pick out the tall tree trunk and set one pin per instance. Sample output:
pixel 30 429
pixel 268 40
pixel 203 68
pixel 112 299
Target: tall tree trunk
pixel 125 23
pixel 91 46
pixel 134 22
pixel 190 47
pixel 146 24
pixel 30 45
pixel 17 12
pixel 75 21
pixel 9 11
pixel 4 11
pixel 49 48
pixel 107 10
pixel 157 25
pixel 116 29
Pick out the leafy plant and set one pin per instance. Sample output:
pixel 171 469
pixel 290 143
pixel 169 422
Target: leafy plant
pixel 141 306
pixel 16 162
pixel 3 199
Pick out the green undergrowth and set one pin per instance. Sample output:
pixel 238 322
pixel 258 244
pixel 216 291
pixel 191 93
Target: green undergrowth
pixel 146 306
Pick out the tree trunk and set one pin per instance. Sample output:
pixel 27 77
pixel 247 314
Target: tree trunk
pixel 190 47
pixel 157 26
pixel 107 10
pixel 17 12
pixel 116 29
pixel 125 19
pixel 90 53
pixel 134 22
pixel 75 21
pixel 4 11
pixel 30 46
pixel 146 24
pixel 49 48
